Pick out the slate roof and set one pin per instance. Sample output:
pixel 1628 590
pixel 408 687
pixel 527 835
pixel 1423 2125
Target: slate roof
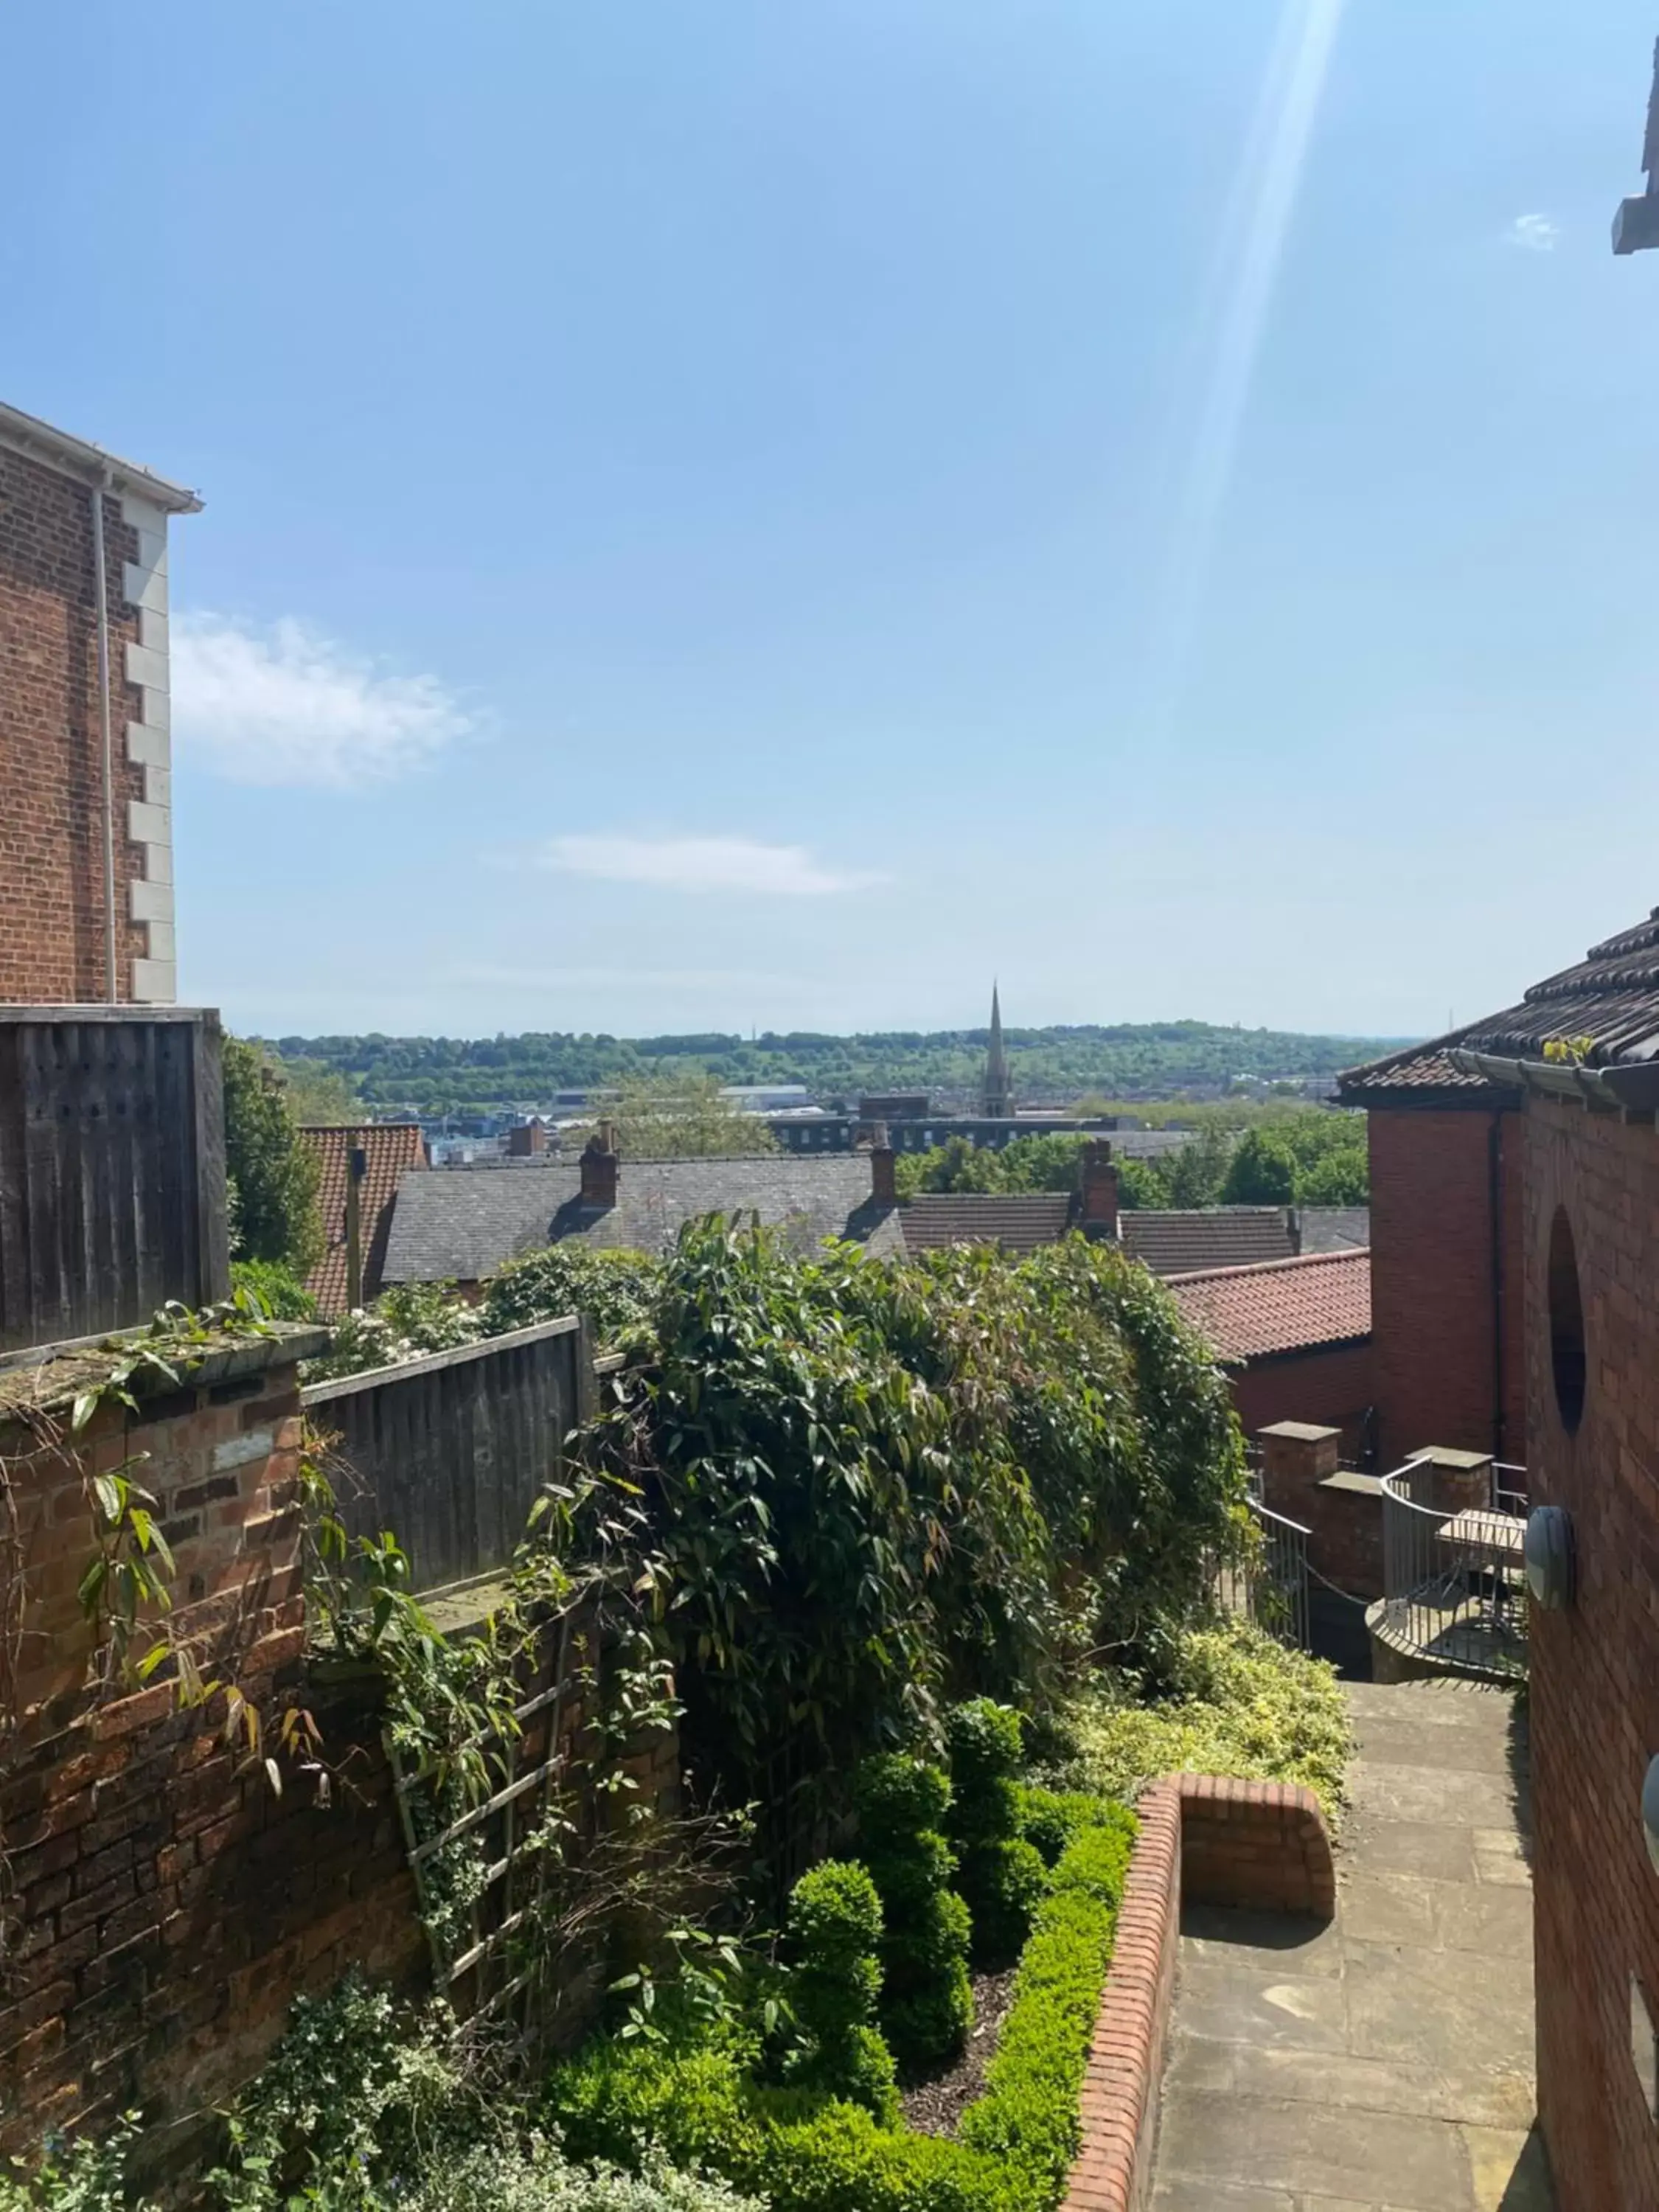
pixel 1175 1242
pixel 1335 1228
pixel 464 1224
pixel 1018 1221
pixel 1611 997
pixel 393 1148
pixel 1284 1306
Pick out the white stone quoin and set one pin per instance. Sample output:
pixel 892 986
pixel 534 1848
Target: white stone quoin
pixel 149 743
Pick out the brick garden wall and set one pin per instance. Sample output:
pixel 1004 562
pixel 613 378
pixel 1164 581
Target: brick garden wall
pixel 1431 1286
pixel 161 1905
pixel 165 1907
pixel 1209 1839
pixel 1594 1713
pixel 51 919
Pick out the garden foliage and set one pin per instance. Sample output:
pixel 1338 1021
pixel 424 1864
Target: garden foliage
pixel 999 1873
pixel 701 2106
pixel 877 1486
pixel 1232 1701
pixel 927 2001
pixel 834 1928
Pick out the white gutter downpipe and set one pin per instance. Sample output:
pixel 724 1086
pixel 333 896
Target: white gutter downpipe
pixel 101 586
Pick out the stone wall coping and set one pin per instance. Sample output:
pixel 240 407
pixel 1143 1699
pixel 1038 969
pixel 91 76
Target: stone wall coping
pixel 48 1379
pixel 1213 1839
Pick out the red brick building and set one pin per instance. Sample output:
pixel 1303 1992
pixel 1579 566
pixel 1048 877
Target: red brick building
pixel 1447 1317
pixel 389 1151
pixel 1295 1338
pixel 1588 1254
pixel 86 823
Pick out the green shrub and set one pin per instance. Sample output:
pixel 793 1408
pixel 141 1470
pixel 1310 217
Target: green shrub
pixel 806 1428
pixel 1028 2114
pixel 834 1928
pixel 698 2107
pixel 280 1291
pixel 926 2000
pixel 1049 1819
pixel 615 1289
pixel 999 1876
pixel 537 2177
pixel 1238 1703
pixel 85 2175
pixel 619 2101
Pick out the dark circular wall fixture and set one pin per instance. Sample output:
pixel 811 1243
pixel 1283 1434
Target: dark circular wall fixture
pixel 1567 1359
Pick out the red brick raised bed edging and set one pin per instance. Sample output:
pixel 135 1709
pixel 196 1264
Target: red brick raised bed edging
pixel 1214 1841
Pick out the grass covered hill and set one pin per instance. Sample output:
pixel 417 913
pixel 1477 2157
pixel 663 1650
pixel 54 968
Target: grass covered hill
pixel 1051 1066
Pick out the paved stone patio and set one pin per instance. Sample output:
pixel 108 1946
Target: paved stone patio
pixel 1384 2064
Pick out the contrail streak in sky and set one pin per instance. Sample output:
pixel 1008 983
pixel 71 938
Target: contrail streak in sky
pixel 1252 245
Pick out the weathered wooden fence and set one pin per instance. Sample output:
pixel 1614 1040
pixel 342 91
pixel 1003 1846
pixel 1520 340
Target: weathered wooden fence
pixel 450 1452
pixel 111 1168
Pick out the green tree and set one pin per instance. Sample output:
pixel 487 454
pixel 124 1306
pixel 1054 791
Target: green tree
pixel 1262 1172
pixel 270 1172
pixel 1342 1178
pixel 681 1117
pixel 320 1097
pixel 1195 1174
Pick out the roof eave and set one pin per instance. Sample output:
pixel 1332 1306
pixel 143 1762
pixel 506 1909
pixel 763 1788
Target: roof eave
pixel 1633 1088
pixel 78 457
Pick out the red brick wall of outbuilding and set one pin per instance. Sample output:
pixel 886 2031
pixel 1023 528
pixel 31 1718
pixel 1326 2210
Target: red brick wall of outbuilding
pixel 1331 1387
pixel 1433 1291
pixel 1595 1668
pixel 51 818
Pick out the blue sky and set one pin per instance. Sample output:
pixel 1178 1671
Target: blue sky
pixel 736 514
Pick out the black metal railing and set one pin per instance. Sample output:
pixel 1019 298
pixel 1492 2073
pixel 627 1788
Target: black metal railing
pixel 1454 1573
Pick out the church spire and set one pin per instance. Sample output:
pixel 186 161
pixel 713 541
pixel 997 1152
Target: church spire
pixel 999 1090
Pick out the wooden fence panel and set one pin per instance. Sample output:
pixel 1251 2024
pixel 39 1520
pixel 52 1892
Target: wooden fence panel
pixel 111 1168
pixel 450 1452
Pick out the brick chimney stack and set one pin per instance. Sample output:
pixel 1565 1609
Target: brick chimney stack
pixel 883 1182
pixel 598 1165
pixel 1099 1210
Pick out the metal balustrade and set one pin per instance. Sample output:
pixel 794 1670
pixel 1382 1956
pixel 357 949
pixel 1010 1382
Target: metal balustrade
pixel 1454 1573
pixel 1270 1588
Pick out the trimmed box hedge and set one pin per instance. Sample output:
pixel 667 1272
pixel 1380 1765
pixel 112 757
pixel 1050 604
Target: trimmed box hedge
pixel 616 2100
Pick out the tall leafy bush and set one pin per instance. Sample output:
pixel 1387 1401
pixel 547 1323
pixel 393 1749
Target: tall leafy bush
pixel 876 1486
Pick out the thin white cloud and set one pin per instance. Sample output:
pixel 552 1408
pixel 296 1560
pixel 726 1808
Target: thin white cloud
pixel 287 706
pixel 1535 233
pixel 701 864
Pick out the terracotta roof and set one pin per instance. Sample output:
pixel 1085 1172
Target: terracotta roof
pixel 462 1224
pixel 1176 1242
pixel 392 1148
pixel 1286 1305
pixel 1611 997
pixel 1019 1221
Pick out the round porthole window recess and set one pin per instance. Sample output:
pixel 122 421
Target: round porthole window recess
pixel 1651 1812
pixel 1551 1566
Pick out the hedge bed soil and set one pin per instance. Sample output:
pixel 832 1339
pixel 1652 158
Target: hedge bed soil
pixel 932 2108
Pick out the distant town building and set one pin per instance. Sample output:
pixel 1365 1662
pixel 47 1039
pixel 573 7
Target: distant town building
pixel 86 822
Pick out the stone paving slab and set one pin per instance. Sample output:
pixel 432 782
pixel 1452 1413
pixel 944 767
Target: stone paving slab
pixel 1384 2064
